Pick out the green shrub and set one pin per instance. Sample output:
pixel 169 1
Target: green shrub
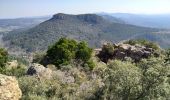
pixel 66 50
pixel 83 52
pixel 90 64
pixel 146 80
pixel 62 51
pixel 3 57
pixel 121 81
pixel 131 42
pixel 167 56
pixel 143 42
pixel 18 72
pixel 38 57
pixel 34 87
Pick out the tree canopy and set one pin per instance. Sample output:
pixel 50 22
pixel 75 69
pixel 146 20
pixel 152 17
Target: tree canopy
pixel 3 57
pixel 65 50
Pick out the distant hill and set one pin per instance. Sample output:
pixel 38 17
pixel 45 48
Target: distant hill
pixel 154 21
pixel 7 25
pixel 89 27
pixel 112 19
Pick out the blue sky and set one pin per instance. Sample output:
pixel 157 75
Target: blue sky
pixel 26 8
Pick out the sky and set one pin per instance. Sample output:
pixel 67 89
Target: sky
pixel 27 8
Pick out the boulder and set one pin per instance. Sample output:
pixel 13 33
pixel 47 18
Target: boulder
pixel 120 55
pixel 115 45
pixel 40 71
pixel 139 53
pixel 9 89
pixel 124 47
pixel 136 56
pixel 148 49
pixel 146 54
pixel 132 48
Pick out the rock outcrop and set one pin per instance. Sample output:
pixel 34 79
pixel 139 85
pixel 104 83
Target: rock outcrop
pixel 90 18
pixel 40 71
pixel 135 52
pixel 9 89
pixel 121 51
pixel 12 64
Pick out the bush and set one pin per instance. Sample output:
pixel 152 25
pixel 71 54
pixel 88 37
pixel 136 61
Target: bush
pixel 3 57
pixel 38 57
pixel 90 64
pixel 83 52
pixel 167 56
pixel 18 72
pixel 32 88
pixel 62 52
pixel 146 80
pixel 121 81
pixel 66 50
pixel 143 42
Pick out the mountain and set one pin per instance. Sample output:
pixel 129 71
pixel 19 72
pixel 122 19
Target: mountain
pixel 89 27
pixel 7 25
pixel 112 19
pixel 154 21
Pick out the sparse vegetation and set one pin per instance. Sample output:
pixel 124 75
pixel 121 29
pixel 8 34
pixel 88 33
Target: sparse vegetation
pixel 18 69
pixel 144 81
pixel 81 75
pixel 143 42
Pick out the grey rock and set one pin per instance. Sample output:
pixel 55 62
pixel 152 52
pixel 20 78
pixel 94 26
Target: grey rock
pixel 40 71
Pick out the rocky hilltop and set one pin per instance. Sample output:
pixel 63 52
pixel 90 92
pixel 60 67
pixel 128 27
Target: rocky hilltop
pixel 91 18
pixel 122 50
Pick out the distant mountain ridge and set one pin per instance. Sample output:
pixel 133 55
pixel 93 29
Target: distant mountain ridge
pixel 154 21
pixel 111 18
pixel 89 27
pixel 7 25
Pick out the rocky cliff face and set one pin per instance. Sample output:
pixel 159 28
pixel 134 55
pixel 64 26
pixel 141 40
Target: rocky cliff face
pixel 9 89
pixel 89 18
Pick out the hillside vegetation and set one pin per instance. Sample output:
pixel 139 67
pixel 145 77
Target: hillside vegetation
pixel 7 25
pixel 72 79
pixel 89 27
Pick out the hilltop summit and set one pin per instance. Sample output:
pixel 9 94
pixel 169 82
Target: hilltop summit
pixel 90 18
pixel 88 27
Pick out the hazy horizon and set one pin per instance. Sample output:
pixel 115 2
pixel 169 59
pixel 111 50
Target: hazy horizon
pixel 33 8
